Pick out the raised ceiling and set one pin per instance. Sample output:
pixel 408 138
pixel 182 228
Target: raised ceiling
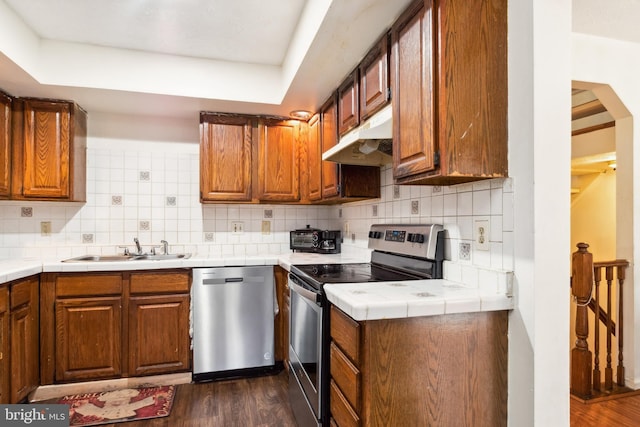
pixel 177 57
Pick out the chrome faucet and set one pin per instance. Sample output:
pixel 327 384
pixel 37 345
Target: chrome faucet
pixel 165 247
pixel 138 247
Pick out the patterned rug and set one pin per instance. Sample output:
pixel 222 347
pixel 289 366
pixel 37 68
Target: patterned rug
pixel 131 404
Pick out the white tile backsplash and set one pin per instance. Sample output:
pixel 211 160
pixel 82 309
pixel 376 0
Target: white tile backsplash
pixel 114 168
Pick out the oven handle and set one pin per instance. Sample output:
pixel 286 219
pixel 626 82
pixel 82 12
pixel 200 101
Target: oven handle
pixel 310 295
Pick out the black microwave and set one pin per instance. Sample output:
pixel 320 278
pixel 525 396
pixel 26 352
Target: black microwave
pixel 315 240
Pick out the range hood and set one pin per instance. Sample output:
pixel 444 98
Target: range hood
pixel 369 144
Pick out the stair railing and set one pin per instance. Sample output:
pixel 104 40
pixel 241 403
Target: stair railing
pixel 585 287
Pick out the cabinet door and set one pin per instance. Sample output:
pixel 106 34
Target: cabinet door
pixel 5 366
pixel 25 336
pixel 278 161
pixel 281 327
pixel 5 145
pixel 46 149
pixel 329 136
pixel 225 158
pixel 374 79
pixel 348 108
pixel 314 158
pixel 159 334
pixel 88 338
pixel 414 114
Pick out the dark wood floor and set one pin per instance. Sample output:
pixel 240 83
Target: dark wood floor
pixel 261 401
pixel 621 412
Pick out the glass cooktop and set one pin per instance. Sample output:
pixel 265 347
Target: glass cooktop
pixel 348 273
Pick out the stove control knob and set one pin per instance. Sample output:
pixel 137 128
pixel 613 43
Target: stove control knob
pixel 372 234
pixel 419 238
pixel 410 237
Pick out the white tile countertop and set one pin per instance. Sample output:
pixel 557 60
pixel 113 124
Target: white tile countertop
pixel 393 300
pixel 481 291
pixel 17 269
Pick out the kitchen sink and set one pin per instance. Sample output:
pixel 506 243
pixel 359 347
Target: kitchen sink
pixel 100 258
pixel 113 258
pixel 160 257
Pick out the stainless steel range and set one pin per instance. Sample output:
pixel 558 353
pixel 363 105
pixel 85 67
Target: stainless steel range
pixel 400 252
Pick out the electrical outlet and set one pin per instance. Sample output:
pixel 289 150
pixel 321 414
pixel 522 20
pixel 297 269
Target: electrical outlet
pixel 237 227
pixel 481 234
pixel 45 228
pixel 266 227
pixel 208 236
pixel 346 228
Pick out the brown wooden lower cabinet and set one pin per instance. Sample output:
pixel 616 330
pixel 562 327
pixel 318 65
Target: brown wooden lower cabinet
pixel 282 318
pixel 19 350
pixel 434 371
pixel 5 348
pixel 103 325
pixel 157 339
pixel 88 338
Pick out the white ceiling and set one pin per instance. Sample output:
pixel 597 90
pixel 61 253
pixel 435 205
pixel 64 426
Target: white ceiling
pixel 178 57
pixel 614 19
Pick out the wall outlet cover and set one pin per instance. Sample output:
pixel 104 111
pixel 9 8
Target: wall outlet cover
pixel 266 227
pixel 481 234
pixel 237 227
pixel 45 228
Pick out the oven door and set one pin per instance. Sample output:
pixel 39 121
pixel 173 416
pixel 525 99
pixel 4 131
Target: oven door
pixel 305 352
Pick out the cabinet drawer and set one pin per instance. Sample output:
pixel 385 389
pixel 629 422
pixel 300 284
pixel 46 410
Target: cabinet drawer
pixel 346 333
pixel 346 376
pixel 21 292
pixel 88 285
pixel 341 411
pixel 155 282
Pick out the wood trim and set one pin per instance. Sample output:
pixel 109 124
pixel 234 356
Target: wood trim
pixel 593 128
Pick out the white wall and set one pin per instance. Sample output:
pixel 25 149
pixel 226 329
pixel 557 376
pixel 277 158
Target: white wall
pixel 539 159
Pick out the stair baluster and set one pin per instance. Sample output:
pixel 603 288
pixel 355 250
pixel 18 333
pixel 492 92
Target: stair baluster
pixel 582 286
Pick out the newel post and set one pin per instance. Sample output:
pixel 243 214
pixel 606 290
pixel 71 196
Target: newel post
pixel 582 285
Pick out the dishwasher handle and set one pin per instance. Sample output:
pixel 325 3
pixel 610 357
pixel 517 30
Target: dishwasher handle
pixel 223 280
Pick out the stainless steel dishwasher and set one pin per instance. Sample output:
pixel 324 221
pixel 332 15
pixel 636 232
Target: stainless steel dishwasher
pixel 233 314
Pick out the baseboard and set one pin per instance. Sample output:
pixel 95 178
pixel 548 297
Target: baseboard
pixel 53 391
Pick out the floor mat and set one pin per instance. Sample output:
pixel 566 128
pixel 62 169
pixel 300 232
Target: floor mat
pixel 131 404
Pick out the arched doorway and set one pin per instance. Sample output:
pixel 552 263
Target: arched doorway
pixel 602 188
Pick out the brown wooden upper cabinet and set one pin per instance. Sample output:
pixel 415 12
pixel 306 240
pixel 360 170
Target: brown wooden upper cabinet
pixel 5 145
pixel 249 159
pixel 374 79
pixel 329 138
pixel 348 108
pixel 48 150
pixel 314 159
pixel 278 160
pixel 225 158
pixel 449 86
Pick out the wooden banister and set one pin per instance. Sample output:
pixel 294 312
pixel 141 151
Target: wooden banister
pixel 582 284
pixel 585 287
